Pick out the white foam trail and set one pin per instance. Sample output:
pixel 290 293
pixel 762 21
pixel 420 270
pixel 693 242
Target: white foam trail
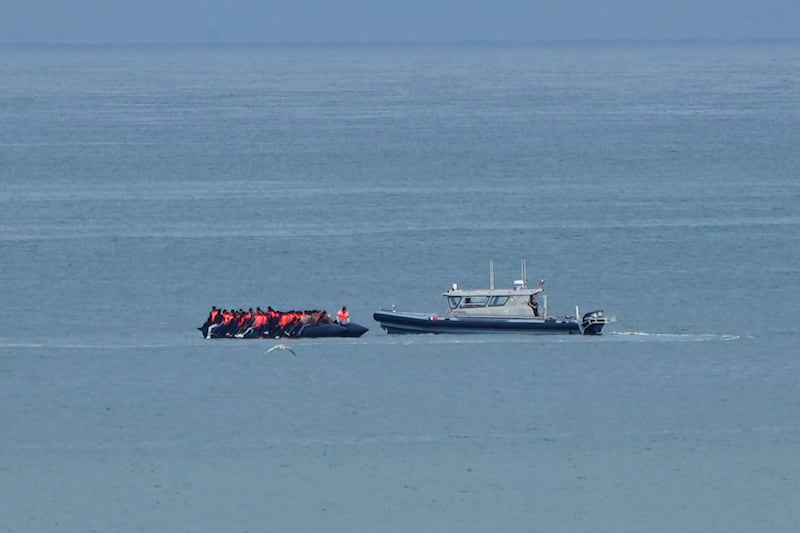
pixel 678 337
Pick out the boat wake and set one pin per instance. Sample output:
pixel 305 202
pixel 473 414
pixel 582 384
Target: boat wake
pixel 643 336
pixel 617 336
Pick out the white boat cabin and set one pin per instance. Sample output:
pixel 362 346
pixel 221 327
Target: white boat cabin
pixel 519 302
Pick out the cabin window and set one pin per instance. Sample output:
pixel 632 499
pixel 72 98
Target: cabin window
pixel 453 301
pixel 474 301
pixel 498 301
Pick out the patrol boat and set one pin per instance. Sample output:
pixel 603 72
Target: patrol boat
pixel 513 310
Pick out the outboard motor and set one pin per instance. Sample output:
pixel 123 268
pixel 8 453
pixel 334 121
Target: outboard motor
pixel 592 322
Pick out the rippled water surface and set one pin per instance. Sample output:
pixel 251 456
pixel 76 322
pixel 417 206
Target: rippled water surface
pixel 141 185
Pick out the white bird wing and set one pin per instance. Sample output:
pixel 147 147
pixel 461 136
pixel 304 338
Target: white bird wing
pixel 282 347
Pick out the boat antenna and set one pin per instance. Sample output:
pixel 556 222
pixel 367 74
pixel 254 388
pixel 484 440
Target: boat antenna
pixel 491 274
pixel 524 274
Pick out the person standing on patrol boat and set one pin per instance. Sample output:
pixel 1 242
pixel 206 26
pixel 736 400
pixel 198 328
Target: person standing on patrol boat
pixel 533 304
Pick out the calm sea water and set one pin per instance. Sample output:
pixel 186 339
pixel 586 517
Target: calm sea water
pixel 141 185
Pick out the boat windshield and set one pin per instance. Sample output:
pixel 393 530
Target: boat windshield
pixel 453 301
pixel 475 301
pixel 498 301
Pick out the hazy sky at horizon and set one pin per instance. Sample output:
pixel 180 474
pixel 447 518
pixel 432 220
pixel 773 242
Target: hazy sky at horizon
pixel 251 21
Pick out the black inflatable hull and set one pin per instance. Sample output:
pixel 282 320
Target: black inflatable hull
pixel 332 330
pixel 297 332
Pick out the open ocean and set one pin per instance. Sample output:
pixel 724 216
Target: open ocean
pixel 141 185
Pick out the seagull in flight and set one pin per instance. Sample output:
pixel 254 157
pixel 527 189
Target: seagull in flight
pixel 282 347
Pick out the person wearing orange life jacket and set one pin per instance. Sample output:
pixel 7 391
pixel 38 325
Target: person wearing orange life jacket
pixel 259 318
pixel 285 323
pixel 211 320
pixel 256 326
pixel 273 317
pixel 229 322
pixel 221 327
pixel 295 323
pixel 260 323
pixel 242 319
pixel 302 320
pixel 343 316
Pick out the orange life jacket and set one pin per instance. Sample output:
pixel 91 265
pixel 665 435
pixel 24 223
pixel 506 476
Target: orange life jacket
pixel 285 319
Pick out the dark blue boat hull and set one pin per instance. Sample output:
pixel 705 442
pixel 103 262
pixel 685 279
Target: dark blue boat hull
pixel 397 322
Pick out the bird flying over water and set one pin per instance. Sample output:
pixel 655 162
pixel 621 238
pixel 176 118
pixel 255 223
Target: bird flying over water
pixel 282 347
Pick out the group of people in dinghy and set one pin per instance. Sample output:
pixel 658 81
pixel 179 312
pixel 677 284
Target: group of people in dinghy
pixel 241 324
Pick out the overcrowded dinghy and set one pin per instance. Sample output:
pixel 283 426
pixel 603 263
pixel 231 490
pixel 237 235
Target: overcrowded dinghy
pixel 271 324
